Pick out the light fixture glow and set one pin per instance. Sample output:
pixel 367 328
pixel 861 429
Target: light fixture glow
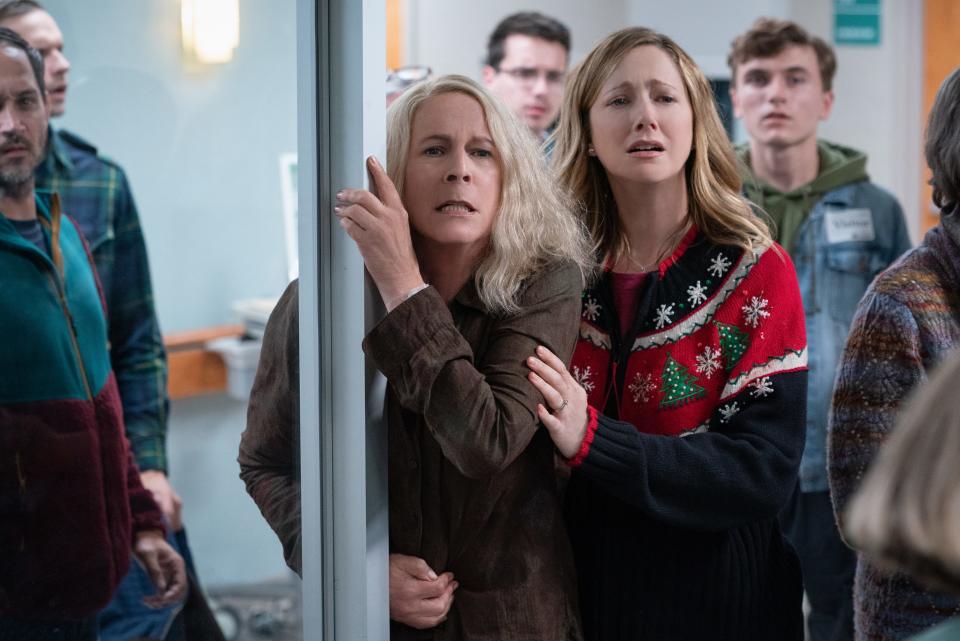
pixel 210 28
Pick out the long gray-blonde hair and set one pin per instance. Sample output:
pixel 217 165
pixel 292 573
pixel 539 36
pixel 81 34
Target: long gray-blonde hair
pixel 535 223
pixel 713 182
pixel 906 513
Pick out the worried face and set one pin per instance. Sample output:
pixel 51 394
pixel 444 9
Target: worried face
pixel 641 123
pixel 452 176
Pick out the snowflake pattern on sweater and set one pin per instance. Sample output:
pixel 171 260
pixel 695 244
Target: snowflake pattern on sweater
pixel 709 339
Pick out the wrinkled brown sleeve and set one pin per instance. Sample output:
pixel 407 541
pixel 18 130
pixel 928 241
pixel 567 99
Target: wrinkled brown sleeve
pixel 269 447
pixel 482 414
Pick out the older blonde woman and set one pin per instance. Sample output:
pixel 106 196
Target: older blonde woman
pixel 478 259
pixel 683 418
pixel 906 514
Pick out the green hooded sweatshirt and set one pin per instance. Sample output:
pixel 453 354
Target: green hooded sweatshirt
pixel 839 166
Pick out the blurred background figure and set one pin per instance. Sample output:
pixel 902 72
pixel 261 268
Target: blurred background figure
pixel 906 515
pixel 906 324
pixel 527 57
pixel 841 231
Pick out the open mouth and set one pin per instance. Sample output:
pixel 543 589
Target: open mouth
pixel 645 147
pixel 456 207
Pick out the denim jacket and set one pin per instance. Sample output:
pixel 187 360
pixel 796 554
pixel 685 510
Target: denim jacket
pixel 834 268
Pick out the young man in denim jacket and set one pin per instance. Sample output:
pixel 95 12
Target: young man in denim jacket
pixel 841 230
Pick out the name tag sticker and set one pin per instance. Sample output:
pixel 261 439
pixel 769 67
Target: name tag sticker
pixel 849 225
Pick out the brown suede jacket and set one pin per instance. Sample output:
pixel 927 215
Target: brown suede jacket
pixel 471 473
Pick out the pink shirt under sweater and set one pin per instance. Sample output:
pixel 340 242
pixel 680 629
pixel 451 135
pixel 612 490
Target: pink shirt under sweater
pixel 626 293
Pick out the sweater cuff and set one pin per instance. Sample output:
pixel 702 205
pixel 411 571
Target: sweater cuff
pixel 587 438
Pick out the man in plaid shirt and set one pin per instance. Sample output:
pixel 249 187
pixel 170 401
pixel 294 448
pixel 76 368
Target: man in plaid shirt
pixel 94 192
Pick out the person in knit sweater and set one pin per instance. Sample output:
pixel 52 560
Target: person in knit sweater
pixel 907 322
pixel 905 513
pixel 682 413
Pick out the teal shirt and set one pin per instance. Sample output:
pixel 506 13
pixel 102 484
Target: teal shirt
pixel 60 308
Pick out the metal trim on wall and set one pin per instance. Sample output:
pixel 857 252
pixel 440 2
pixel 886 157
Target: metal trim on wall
pixel 341 54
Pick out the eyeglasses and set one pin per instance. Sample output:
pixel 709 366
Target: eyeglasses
pixel 530 75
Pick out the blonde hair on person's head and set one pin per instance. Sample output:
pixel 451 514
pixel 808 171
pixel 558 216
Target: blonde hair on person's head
pixel 906 513
pixel 712 177
pixel 535 224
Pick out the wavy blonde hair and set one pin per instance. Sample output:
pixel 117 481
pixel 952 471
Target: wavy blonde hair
pixel 906 514
pixel 713 181
pixel 535 223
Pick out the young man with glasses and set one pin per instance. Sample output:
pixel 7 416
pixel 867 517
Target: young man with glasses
pixel 527 57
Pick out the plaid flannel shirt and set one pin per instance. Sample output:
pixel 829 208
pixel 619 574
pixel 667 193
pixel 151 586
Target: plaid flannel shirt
pixel 94 192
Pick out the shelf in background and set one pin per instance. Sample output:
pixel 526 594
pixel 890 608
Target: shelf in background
pixel 192 369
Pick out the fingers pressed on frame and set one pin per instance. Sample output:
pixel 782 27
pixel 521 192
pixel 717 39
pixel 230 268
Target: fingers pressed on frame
pixel 385 187
pixel 361 197
pixel 359 216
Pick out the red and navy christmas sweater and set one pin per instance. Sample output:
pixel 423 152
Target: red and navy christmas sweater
pixel 693 446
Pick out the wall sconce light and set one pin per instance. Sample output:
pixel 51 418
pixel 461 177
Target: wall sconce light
pixel 210 29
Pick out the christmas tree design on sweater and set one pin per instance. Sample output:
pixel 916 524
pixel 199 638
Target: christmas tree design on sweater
pixel 733 344
pixel 679 385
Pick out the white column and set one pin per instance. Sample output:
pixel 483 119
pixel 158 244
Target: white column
pixel 341 65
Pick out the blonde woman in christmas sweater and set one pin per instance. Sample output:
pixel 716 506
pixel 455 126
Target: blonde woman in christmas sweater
pixel 682 414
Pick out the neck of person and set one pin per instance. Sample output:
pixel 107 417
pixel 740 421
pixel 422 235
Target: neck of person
pixel 18 203
pixel 786 167
pixel 653 217
pixel 446 267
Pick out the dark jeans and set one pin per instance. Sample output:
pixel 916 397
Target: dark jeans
pixel 828 565
pixel 17 630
